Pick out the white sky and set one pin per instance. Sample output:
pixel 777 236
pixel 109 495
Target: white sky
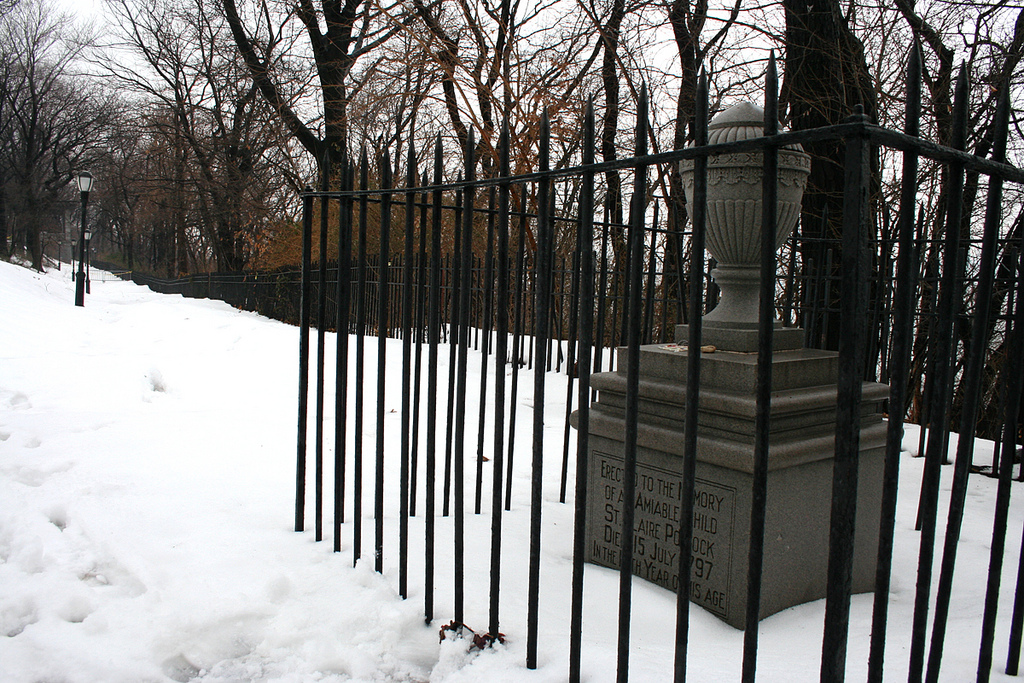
pixel 84 8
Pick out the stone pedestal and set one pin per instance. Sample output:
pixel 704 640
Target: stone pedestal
pixel 799 480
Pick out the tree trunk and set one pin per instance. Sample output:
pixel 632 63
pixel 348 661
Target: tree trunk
pixel 826 77
pixel 686 45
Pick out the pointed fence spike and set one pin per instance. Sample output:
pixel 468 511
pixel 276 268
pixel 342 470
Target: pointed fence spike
pixel 771 97
pixel 642 107
pixel 960 103
pixel 701 133
pixel 325 167
pixel 411 172
pixel 503 149
pixel 912 123
pixel 545 141
pixel 385 172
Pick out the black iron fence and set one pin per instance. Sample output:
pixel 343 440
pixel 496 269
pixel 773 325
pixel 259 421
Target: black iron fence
pixel 276 294
pixel 871 345
pixel 508 265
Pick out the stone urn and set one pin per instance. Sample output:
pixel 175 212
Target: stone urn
pixel 734 213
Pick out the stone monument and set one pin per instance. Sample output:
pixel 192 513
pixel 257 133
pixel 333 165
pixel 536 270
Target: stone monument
pixel 802 424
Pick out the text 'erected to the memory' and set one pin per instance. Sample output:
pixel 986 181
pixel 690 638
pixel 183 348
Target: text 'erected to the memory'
pixel 656 515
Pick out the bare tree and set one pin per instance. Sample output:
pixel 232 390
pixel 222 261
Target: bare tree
pixel 227 145
pixel 502 60
pixel 826 76
pixel 989 39
pixel 52 122
pixel 338 34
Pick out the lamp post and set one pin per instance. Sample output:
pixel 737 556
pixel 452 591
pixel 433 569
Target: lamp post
pixel 88 262
pixel 85 186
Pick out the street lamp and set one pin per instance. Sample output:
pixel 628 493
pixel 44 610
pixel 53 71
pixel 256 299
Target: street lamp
pixel 88 261
pixel 85 186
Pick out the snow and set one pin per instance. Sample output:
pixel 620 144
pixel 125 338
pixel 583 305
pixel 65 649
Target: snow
pixel 147 455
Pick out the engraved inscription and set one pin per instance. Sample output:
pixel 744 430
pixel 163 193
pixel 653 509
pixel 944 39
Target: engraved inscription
pixel 657 509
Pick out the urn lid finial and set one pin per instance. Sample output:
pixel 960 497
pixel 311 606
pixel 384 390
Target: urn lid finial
pixel 741 121
pixel 741 114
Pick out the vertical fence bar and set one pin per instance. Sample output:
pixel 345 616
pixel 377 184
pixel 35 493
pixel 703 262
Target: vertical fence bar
pixel 382 338
pixel 936 453
pixel 664 335
pixel 826 305
pixel 903 323
pixel 531 309
pixel 321 351
pixel 433 332
pixel 371 292
pixel 856 218
pixel 476 285
pixel 876 366
pixel 612 320
pixel 459 456
pixel 787 306
pixel 971 387
pixel 485 327
pixel 554 338
pixel 341 325
pixel 499 380
pixel 602 299
pixel 422 276
pixel 1002 449
pixel 647 335
pixel 557 308
pixel 1014 387
pixel 886 279
pixel 698 216
pixel 489 305
pixel 478 288
pixel 764 377
pixel 517 335
pixel 638 206
pixel 812 282
pixel 931 278
pixel 454 324
pixel 357 430
pixel 407 372
pixel 1012 397
pixel 542 321
pixel 571 371
pixel 300 459
pixel 585 237
pixel 681 300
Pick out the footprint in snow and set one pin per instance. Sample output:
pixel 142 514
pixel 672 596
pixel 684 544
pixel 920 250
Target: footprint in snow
pixel 17 616
pixel 178 668
pixel 58 515
pixel 156 381
pixel 75 609
pixel 18 401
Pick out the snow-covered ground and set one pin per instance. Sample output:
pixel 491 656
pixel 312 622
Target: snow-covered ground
pixel 147 455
